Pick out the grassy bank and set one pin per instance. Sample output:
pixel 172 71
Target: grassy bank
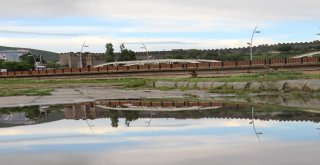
pixel 15 87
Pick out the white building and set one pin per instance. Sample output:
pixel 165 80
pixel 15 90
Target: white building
pixel 12 55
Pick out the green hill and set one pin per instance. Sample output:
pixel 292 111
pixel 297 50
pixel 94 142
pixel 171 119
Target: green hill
pixel 47 55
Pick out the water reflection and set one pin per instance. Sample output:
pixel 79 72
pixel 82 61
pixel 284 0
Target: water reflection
pixel 254 126
pixel 90 134
pixel 44 114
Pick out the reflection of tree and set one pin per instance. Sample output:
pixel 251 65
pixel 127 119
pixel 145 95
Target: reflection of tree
pixel 114 117
pixel 130 116
pixel 31 112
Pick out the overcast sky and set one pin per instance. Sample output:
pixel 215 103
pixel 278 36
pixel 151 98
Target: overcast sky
pixel 63 25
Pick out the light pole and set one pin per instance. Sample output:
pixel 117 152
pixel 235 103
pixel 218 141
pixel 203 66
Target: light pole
pixel 145 48
pixel 83 46
pixel 255 31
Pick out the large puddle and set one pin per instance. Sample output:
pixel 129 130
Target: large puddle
pixel 158 132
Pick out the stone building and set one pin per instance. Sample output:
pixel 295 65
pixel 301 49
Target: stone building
pixel 72 60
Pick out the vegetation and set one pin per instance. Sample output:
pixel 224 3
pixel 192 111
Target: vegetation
pixel 109 55
pixel 126 54
pixel 15 65
pixel 260 52
pixel 25 92
pixel 15 87
pixel 26 62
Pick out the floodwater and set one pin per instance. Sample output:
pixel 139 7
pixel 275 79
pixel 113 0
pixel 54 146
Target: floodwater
pixel 228 134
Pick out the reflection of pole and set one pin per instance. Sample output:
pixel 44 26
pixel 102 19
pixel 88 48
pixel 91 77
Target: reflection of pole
pixel 253 125
pixel 149 122
pixel 85 117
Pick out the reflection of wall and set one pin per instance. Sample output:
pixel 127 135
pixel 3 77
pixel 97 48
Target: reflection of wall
pixel 78 112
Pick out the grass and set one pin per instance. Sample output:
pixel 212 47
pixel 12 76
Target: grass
pixel 16 87
pixel 137 82
pixel 264 76
pixel 25 92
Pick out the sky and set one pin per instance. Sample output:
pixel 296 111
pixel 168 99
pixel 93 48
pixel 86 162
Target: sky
pixel 64 25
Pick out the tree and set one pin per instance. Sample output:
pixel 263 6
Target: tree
pixel 114 117
pixel 109 55
pixel 130 116
pixel 28 58
pixel 1 64
pixel 31 58
pixel 285 48
pixel 209 55
pixel 194 54
pixel 126 55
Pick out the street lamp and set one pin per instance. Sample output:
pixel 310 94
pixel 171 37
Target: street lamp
pixel 83 46
pixel 255 31
pixel 145 48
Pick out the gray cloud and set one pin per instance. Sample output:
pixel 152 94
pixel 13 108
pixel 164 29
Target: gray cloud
pixel 165 9
pixel 41 33
pixel 161 43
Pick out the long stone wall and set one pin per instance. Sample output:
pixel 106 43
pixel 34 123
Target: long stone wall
pixel 166 54
pixel 286 85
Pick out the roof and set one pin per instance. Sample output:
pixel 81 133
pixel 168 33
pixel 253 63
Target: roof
pixel 148 62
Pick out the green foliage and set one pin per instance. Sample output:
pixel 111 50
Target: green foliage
pixel 1 64
pixel 28 58
pixel 32 58
pixel 131 116
pixel 285 48
pixel 114 117
pixel 32 112
pixel 127 55
pixel 16 66
pixel 53 65
pixel 194 54
pixel 109 54
pixel 25 92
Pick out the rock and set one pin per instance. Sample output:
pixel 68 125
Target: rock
pixel 270 86
pixel 183 84
pixel 216 85
pixel 192 85
pixel 204 85
pixel 200 85
pixel 256 86
pixel 237 85
pixel 296 84
pixel 313 85
pixel 281 85
pixel 207 85
pixel 162 84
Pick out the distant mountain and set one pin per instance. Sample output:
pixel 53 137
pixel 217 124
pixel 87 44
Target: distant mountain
pixel 48 56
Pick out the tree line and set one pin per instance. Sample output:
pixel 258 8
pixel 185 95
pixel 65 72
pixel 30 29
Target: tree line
pixel 26 61
pixel 125 54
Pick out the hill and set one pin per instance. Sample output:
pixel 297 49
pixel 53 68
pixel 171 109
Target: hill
pixel 47 55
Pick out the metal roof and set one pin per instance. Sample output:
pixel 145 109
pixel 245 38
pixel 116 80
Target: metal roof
pixel 148 62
